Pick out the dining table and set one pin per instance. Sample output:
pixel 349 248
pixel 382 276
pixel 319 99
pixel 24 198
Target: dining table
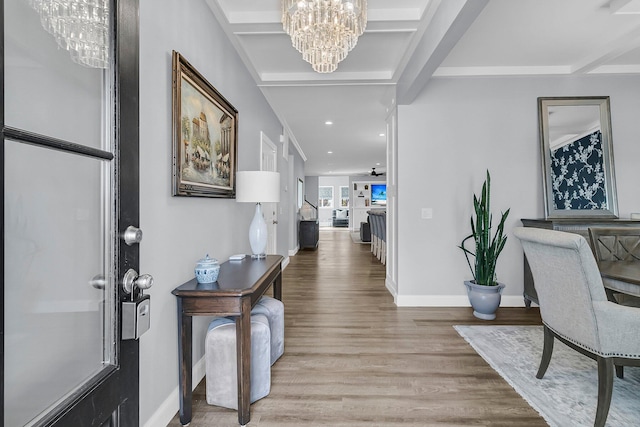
pixel 621 276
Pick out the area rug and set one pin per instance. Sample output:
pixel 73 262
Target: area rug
pixel 568 393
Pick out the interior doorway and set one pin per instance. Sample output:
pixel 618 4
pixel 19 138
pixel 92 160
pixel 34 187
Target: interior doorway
pixel 268 162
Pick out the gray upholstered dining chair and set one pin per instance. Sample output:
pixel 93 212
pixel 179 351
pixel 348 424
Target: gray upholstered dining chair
pixel 575 309
pixel 376 242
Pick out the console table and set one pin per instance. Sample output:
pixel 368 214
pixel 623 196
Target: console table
pixel 309 234
pixel 574 225
pixel 240 285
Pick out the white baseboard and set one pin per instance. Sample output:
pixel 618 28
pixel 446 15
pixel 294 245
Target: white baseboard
pixel 450 300
pixel 443 300
pixel 293 252
pixel 168 409
pixel 285 262
pixel 392 287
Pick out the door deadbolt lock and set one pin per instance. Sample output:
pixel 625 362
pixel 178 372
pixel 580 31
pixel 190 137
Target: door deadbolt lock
pixel 132 235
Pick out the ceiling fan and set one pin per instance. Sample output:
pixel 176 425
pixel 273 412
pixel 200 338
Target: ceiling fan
pixel 374 173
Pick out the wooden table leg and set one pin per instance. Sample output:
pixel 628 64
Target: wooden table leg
pixel 243 348
pixel 277 287
pixel 184 373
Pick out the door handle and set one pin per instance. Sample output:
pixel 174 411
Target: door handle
pixel 275 221
pixel 132 280
pixel 98 281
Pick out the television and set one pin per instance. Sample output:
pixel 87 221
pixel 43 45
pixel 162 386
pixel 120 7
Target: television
pixel 379 194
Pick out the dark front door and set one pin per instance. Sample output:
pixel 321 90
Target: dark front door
pixel 70 187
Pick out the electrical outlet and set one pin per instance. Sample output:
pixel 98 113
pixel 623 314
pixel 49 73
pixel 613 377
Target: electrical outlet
pixel 427 213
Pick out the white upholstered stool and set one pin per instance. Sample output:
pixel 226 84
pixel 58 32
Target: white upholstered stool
pixel 273 309
pixel 221 362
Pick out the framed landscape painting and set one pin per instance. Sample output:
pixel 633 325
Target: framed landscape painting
pixel 205 136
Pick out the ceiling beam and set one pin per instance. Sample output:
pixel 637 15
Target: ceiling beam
pixel 604 54
pixel 625 7
pixel 450 20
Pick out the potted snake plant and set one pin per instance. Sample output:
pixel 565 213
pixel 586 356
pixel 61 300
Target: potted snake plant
pixel 484 291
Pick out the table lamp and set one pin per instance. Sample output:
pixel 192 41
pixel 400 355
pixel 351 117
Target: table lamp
pixel 258 187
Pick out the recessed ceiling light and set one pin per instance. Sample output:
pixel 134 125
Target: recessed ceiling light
pixel 329 152
pixel 377 164
pixel 382 134
pixel 328 122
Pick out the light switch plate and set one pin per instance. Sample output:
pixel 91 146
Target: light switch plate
pixel 427 213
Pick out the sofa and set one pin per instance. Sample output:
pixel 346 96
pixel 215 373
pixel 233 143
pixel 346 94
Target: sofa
pixel 340 218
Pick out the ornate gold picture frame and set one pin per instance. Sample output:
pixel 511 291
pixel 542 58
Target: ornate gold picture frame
pixel 205 136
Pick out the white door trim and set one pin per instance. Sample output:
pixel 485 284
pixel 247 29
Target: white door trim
pixel 269 162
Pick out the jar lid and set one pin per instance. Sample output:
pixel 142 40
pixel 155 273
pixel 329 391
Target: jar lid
pixel 207 262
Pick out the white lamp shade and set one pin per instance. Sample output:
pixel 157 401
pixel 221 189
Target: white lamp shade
pixel 257 186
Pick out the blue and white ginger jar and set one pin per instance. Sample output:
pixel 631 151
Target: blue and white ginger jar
pixel 207 270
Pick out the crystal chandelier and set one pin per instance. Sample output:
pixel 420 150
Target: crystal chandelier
pixel 324 31
pixel 79 26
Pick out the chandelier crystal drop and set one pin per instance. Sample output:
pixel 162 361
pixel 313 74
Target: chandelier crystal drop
pixel 324 31
pixel 79 26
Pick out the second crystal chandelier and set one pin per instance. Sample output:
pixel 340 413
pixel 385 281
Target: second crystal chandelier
pixel 79 26
pixel 324 31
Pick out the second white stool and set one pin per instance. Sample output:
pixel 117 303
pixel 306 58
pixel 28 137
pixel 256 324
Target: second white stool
pixel 273 309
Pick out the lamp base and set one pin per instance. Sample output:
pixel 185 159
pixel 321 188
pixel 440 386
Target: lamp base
pixel 258 234
pixel 259 256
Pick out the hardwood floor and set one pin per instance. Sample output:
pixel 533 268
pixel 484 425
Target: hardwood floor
pixel 352 358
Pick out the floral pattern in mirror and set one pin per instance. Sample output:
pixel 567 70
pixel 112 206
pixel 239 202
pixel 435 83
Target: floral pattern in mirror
pixel 578 177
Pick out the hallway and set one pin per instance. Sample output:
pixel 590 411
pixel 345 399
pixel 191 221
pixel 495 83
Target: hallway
pixel 352 358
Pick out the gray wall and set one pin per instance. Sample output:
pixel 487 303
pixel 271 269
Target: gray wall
pixel 180 230
pixel 455 130
pixel 311 189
